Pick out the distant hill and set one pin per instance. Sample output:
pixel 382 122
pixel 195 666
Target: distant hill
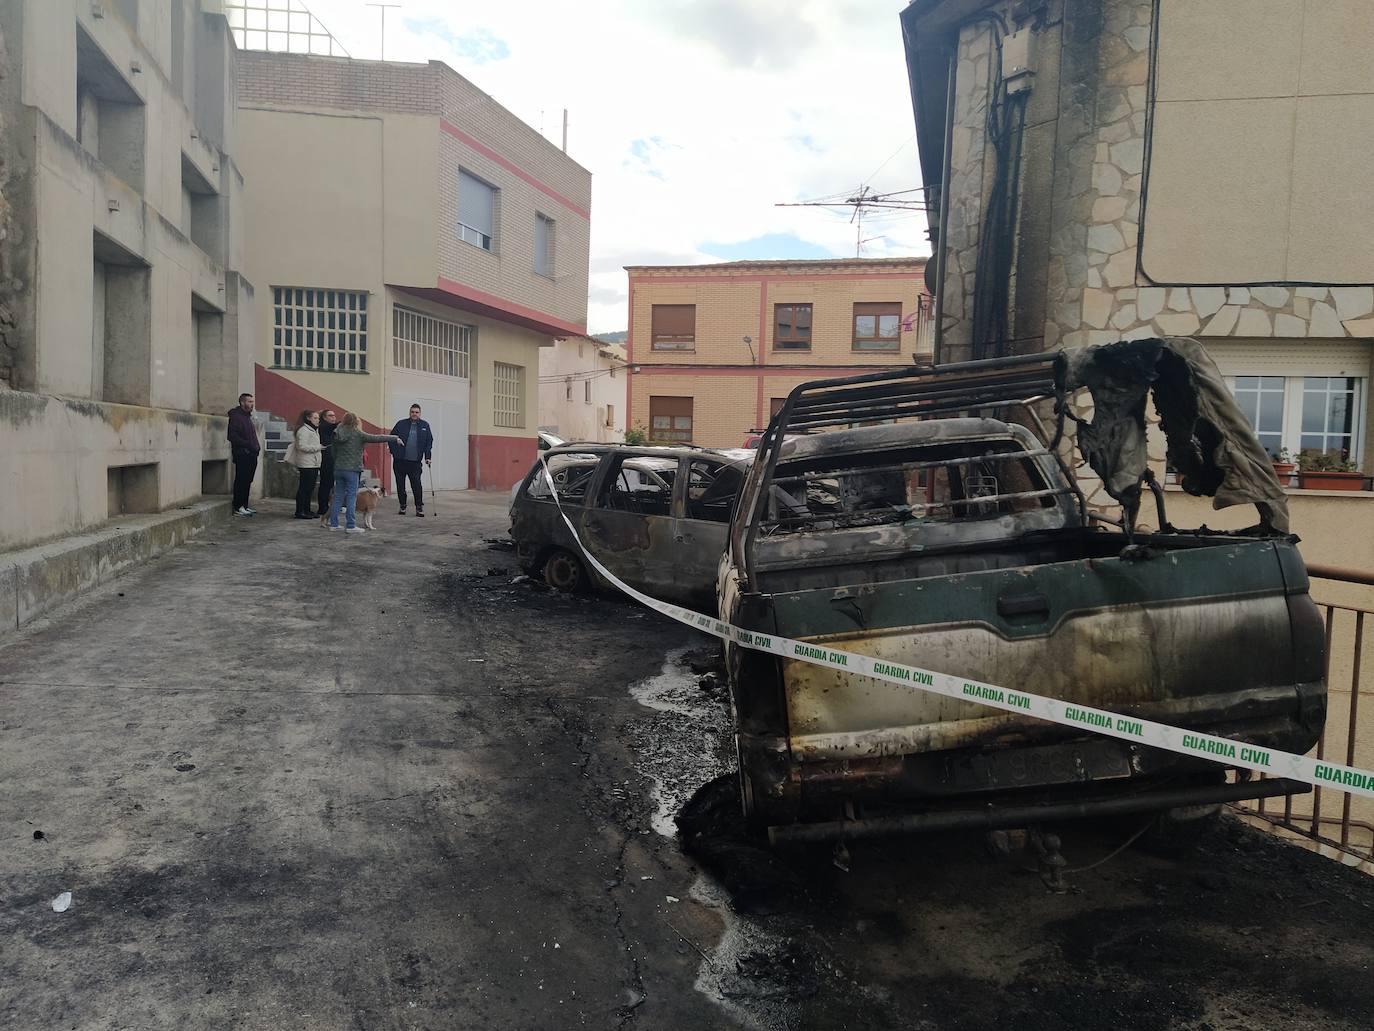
pixel 612 338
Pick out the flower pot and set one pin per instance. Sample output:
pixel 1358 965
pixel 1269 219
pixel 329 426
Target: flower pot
pixel 1327 480
pixel 1284 471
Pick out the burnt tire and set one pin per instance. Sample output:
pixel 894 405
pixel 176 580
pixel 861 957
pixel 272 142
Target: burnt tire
pixel 563 571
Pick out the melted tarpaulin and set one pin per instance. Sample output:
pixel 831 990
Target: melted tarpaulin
pixel 1211 445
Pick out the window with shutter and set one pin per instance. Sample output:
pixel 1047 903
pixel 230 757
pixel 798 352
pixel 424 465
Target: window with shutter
pixel 674 327
pixel 543 249
pixel 670 419
pixel 476 211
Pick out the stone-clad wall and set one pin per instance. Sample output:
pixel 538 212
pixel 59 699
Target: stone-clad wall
pixel 969 177
pixel 1096 55
pixel 1114 301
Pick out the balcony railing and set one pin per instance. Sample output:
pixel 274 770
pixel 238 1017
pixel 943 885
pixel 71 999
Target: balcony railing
pixel 1343 822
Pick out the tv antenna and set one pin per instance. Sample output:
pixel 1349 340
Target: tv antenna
pixel 383 8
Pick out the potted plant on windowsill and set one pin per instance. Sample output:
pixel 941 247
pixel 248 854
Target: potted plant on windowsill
pixel 1284 466
pixel 1327 470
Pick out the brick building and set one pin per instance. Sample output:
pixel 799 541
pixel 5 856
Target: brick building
pixel 413 241
pixel 714 349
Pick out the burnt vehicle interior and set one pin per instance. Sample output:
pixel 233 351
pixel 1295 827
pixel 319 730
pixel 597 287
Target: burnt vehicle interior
pixel 908 499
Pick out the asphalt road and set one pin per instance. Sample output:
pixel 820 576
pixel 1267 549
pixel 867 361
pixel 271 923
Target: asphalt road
pixel 297 780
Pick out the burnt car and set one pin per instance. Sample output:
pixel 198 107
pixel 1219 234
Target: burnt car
pixel 656 517
pixel 930 518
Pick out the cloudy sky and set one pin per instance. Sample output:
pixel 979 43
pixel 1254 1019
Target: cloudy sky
pixel 695 117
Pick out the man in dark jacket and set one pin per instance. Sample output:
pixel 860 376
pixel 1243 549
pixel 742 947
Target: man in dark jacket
pixel 417 442
pixel 244 447
pixel 329 422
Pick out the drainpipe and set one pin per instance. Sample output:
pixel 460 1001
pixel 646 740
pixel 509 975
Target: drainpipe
pixel 940 259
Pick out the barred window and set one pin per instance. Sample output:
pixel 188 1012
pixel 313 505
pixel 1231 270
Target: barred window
pixel 508 395
pixel 426 344
pixel 323 330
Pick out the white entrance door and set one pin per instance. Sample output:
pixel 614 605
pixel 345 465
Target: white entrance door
pixel 444 403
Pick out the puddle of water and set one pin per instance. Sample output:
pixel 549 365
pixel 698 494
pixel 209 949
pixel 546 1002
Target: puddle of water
pixel 718 979
pixel 674 689
pixel 684 744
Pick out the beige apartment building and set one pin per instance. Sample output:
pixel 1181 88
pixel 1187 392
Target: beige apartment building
pixel 714 349
pixel 1130 168
pixel 121 342
pixel 414 242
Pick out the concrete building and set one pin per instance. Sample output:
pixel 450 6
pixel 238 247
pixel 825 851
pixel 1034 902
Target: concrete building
pixel 121 343
pixel 412 241
pixel 582 390
pixel 1108 169
pixel 714 349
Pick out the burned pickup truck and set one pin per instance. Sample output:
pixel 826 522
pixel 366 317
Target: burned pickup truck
pixel 929 517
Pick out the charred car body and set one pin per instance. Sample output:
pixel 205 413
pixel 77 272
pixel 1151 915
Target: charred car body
pixel 961 543
pixel 656 517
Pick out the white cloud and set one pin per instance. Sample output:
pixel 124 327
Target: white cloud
pixel 695 117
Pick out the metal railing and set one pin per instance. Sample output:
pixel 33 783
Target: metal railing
pixel 1344 823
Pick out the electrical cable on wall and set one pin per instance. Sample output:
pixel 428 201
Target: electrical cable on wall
pixel 1005 127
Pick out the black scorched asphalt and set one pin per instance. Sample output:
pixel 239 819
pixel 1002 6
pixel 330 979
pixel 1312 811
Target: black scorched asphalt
pixel 298 781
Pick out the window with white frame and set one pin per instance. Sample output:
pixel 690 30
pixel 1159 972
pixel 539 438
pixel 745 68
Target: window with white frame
pixel 1304 413
pixel 319 329
pixel 476 211
pixel 508 395
pixel 544 249
pixel 426 344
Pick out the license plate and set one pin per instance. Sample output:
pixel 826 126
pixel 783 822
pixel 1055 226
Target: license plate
pixel 1073 763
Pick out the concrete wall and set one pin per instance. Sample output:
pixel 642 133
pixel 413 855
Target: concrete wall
pixel 120 295
pixel 57 452
pixel 1276 100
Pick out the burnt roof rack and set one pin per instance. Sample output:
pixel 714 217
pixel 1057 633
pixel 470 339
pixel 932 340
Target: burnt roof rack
pixel 913 392
pixel 920 391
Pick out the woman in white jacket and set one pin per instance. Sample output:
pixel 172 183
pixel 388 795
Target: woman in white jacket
pixel 307 459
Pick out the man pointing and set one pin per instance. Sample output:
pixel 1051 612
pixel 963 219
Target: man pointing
pixel 417 443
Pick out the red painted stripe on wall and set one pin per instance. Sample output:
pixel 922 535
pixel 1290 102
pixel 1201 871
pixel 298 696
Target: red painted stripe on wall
pixel 767 277
pixel 551 324
pixel 286 399
pixel 496 462
pixel 814 371
pixel 511 167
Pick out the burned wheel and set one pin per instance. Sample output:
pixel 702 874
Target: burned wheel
pixel 563 570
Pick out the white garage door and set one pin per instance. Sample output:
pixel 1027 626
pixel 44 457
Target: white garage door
pixel 446 411
pixel 429 367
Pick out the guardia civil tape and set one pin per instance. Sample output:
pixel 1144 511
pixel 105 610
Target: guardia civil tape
pixel 1319 773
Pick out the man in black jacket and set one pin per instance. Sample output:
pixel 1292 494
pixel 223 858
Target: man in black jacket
pixel 417 442
pixel 244 447
pixel 329 422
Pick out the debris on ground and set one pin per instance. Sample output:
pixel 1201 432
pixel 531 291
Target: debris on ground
pixel 712 829
pixel 789 972
pixel 62 903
